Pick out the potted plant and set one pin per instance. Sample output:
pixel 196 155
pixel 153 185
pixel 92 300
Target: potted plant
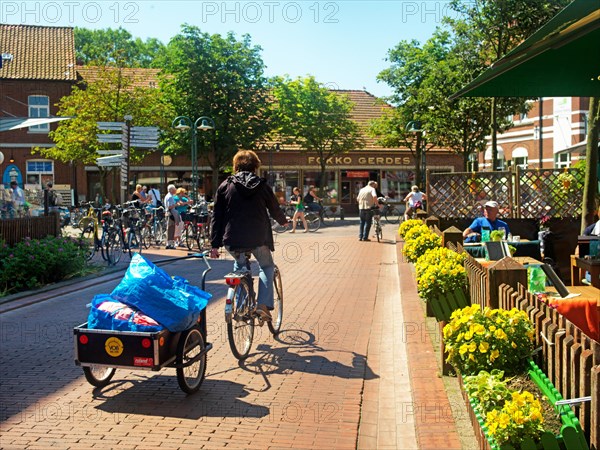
pixel 418 241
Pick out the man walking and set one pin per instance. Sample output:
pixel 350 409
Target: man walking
pixel 367 201
pixel 18 198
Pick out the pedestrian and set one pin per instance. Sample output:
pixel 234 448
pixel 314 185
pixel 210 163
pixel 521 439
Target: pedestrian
pixel 367 202
pixel 241 223
pixel 182 205
pixel 138 197
pixel 297 202
pixel 18 198
pixel 489 221
pixel 154 196
pixel 414 201
pixel 173 215
pixel 311 200
pixel 51 201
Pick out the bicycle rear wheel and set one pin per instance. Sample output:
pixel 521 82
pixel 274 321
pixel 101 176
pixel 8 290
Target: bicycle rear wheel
pixel 114 246
pixel 392 215
pixel 190 236
pixel 89 242
pixel 240 328
pixel 134 242
pixel 277 313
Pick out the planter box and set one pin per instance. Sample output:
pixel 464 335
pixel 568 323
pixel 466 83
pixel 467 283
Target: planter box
pixel 571 435
pixel 443 307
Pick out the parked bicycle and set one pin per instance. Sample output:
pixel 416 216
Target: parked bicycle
pixel 96 219
pixel 195 230
pixel 240 309
pixel 154 231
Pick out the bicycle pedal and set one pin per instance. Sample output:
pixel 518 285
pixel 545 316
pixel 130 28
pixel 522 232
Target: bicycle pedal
pixel 260 321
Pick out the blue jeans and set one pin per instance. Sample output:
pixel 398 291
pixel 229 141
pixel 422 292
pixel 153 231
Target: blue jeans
pixel 366 219
pixel 266 273
pixel 314 206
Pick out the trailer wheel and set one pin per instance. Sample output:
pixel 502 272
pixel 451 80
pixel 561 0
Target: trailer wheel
pixel 190 344
pixel 99 376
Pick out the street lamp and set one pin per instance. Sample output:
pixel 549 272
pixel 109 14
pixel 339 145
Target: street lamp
pixel 414 126
pixel 183 124
pixel 270 148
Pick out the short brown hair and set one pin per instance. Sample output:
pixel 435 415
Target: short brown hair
pixel 246 161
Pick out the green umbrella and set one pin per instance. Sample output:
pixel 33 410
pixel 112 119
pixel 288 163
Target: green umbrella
pixel 562 59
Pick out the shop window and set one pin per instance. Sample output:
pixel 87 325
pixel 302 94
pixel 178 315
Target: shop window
pixel 39 172
pixel 396 184
pixel 39 107
pixel 331 188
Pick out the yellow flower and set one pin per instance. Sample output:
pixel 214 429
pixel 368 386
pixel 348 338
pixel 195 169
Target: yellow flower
pixel 483 347
pixel 513 345
pixel 463 349
pixel 472 346
pixel 494 355
pixel 503 420
pixel 500 334
pixel 518 417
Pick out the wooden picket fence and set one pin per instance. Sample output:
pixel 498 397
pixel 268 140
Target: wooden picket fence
pixel 570 358
pixel 13 231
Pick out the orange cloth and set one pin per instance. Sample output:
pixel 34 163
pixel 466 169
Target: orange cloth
pixel 582 312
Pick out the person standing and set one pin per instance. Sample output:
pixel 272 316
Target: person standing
pixel 367 202
pixel 18 198
pixel 169 204
pixel 154 196
pixel 296 200
pixel 241 223
pixel 414 200
pixel 50 199
pixel 182 204
pixel 138 197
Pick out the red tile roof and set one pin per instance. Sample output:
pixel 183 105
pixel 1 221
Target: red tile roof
pixel 139 77
pixel 38 53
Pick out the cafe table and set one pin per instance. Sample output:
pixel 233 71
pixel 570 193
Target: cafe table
pixel 524 248
pixel 581 307
pixel 579 266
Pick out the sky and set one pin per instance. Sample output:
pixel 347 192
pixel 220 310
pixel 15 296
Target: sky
pixel 343 44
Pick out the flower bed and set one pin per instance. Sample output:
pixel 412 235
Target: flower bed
pixel 518 423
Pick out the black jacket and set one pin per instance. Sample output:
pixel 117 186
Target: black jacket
pixel 241 213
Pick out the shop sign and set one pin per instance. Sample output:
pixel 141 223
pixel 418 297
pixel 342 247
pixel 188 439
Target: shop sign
pixel 357 174
pixel 356 160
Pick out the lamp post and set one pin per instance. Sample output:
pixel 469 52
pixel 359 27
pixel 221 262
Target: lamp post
pixel 183 124
pixel 270 148
pixel 414 126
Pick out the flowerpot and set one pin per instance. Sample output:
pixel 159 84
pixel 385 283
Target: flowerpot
pixel 443 307
pixel 571 435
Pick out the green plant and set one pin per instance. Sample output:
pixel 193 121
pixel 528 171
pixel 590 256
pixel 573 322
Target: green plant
pixel 407 225
pixel 35 262
pixel 418 242
pixel 490 339
pixel 520 418
pixel 497 235
pixel 489 388
pixel 440 271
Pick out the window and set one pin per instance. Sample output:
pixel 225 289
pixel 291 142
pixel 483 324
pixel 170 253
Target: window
pixel 39 106
pixel 562 160
pixel 39 172
pixel 520 161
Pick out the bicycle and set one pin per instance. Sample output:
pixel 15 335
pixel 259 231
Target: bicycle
pixel 132 234
pixel 377 224
pixel 90 225
pixel 154 231
pixel 391 213
pixel 240 309
pixel 195 228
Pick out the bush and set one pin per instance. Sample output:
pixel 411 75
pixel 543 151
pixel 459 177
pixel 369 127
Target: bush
pixel 35 262
pixel 520 418
pixel 418 241
pixel 489 339
pixel 407 225
pixel 445 277
pixel 436 256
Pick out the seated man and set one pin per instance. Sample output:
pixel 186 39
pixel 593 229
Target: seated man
pixel 490 221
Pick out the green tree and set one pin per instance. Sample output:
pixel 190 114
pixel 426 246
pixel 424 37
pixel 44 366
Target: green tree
pixel 494 27
pixel 591 199
pixel 220 77
pixel 108 99
pixel 109 47
pixel 316 119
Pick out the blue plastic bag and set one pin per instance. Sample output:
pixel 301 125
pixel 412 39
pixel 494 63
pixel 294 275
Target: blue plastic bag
pixel 106 320
pixel 173 303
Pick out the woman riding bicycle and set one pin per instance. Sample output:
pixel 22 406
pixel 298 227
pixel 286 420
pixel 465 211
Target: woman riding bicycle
pixel 414 201
pixel 240 222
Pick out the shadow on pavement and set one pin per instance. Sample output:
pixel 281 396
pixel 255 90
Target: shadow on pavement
pixel 216 398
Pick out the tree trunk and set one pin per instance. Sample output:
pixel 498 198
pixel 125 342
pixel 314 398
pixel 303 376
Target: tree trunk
pixel 590 189
pixel 494 137
pixel 420 176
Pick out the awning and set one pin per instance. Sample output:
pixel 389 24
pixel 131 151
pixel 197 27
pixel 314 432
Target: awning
pixel 561 59
pixel 520 152
pixel 14 123
pixel 488 153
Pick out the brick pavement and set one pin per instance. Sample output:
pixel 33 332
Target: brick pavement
pixel 337 376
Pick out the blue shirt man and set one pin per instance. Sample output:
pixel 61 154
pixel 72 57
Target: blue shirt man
pixel 490 220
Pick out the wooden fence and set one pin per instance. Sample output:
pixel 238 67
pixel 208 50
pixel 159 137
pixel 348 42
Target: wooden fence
pixel 570 358
pixel 13 231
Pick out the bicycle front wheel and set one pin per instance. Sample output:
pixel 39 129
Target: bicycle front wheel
pixel 240 328
pixel 313 221
pixel 89 242
pixel 379 233
pixel 392 216
pixel 114 247
pixel 134 242
pixel 277 313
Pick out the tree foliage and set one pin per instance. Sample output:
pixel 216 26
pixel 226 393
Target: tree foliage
pixel 316 119
pixel 109 47
pixel 222 78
